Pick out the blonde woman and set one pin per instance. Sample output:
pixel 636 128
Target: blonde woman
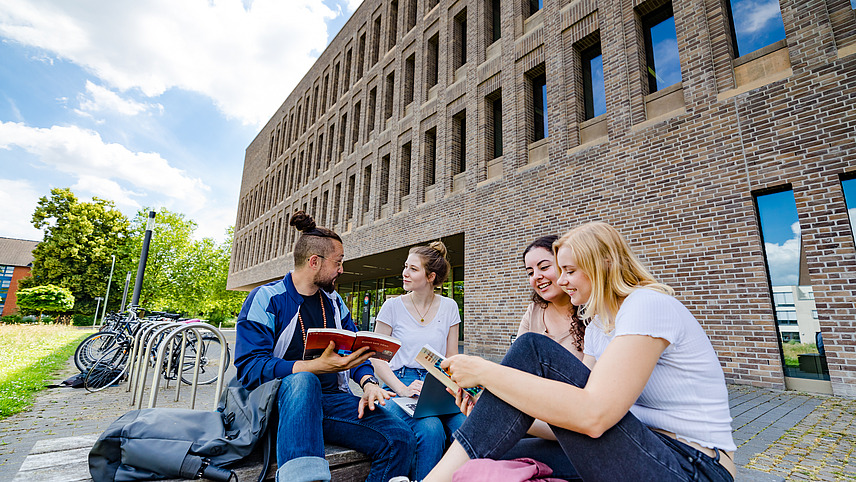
pixel 421 317
pixel 648 401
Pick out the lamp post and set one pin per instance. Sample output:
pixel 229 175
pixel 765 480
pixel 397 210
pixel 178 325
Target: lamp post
pixel 95 317
pixel 125 293
pixel 144 255
pixel 107 294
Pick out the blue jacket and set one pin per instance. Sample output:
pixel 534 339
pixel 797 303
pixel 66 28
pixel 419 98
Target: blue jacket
pixel 266 326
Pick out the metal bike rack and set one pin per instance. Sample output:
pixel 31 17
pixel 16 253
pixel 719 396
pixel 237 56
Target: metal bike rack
pixel 137 356
pixel 167 343
pixel 143 357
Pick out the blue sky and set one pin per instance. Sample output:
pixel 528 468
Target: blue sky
pixel 146 103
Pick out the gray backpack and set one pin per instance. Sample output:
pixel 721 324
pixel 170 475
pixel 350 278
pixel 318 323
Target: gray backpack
pixel 164 443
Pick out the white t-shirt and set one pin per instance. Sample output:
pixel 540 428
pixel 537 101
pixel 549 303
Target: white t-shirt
pixel 413 335
pixel 686 393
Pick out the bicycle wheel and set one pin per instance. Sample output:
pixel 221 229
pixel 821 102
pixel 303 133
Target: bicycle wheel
pixel 209 359
pixel 108 369
pixel 91 349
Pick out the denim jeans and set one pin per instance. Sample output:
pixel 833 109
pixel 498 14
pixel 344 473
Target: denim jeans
pixel 308 418
pixel 432 433
pixel 627 451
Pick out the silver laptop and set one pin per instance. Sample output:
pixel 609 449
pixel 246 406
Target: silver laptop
pixel 433 400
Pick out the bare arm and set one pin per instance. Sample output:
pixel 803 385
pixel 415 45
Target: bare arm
pixel 382 369
pixel 613 386
pixel 452 341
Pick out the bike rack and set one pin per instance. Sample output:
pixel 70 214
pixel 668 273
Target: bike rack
pixel 166 343
pixel 136 362
pixel 142 359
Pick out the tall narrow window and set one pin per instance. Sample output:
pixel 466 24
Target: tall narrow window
pixel 319 155
pixel 390 91
pixel 367 189
pixel 325 201
pixel 343 128
pixel 793 298
pixel 324 93
pixel 349 204
pixel 661 48
pixel 493 21
pixel 291 128
pixel 404 169
pixel 335 94
pixel 361 57
pixel 315 105
pixel 331 136
pixel 534 6
pixel 311 171
pixel 411 15
pixel 409 73
pixel 430 156
pixel 459 142
pixel 539 107
pixel 431 61
pixel 337 201
pixel 754 24
pixel 393 25
pixel 384 181
pixel 495 127
pixel 849 187
pixel 376 40
pixel 430 4
pixel 460 39
pixel 346 81
pixel 355 135
pixel 370 115
pixel 594 93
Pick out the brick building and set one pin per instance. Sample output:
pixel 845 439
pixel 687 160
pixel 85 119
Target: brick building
pixel 16 260
pixel 488 123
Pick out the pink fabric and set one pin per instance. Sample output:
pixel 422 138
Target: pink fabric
pixel 517 470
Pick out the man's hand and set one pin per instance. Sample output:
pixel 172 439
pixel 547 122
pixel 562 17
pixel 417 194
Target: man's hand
pixel 332 362
pixel 372 393
pixel 412 390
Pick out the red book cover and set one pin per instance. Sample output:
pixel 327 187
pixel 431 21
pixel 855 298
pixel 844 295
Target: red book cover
pixel 317 340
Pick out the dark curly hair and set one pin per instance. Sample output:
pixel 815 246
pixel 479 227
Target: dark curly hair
pixel 577 327
pixel 313 239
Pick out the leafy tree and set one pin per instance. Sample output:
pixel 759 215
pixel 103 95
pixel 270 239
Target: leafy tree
pixel 79 239
pixel 45 298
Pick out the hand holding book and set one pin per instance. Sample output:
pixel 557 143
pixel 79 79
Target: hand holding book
pixel 318 339
pixel 431 360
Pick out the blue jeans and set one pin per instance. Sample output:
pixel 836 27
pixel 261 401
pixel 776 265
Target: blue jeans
pixel 627 451
pixel 432 433
pixel 308 418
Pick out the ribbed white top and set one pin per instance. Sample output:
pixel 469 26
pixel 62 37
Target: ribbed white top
pixel 686 393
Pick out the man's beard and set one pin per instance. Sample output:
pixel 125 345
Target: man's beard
pixel 329 285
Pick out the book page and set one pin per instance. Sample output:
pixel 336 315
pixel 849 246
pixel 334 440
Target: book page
pixel 431 360
pixel 384 346
pixel 317 340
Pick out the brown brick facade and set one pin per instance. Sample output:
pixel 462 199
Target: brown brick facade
pixel 679 185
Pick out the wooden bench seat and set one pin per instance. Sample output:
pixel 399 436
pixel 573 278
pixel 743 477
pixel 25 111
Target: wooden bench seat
pixel 65 460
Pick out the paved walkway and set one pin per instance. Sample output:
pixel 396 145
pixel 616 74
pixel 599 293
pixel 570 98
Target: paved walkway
pixel 787 434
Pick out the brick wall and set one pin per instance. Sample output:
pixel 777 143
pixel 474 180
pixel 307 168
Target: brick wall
pixel 680 186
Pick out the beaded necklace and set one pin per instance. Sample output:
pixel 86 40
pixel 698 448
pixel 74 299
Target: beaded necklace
pixel 323 315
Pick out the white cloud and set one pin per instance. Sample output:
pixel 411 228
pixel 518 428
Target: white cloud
pixel 784 259
pixel 106 189
pixel 83 154
pixel 102 99
pixel 352 5
pixel 246 59
pixel 19 199
pixel 752 16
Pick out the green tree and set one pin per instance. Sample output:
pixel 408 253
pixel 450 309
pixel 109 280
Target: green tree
pixel 79 239
pixel 46 298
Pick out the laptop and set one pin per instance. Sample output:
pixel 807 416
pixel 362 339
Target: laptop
pixel 433 400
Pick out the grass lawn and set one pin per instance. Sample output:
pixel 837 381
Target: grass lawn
pixel 30 355
pixel 793 350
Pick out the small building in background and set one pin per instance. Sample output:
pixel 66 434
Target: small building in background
pixel 16 260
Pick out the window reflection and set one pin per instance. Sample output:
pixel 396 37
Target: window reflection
pixel 793 299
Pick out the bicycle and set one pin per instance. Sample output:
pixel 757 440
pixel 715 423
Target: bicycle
pixel 96 344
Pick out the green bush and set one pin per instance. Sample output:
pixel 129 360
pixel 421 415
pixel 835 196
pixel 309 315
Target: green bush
pixel 12 319
pixel 80 319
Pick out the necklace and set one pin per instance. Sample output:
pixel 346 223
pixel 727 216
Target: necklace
pixel 323 316
pixel 421 316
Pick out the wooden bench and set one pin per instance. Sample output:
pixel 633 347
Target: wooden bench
pixel 65 460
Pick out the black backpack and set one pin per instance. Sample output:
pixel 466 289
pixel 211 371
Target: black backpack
pixel 165 443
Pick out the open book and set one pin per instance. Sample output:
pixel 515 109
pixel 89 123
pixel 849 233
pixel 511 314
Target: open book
pixel 317 340
pixel 431 360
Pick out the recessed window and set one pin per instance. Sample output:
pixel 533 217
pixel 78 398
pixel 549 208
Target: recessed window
pixel 337 201
pixel 533 6
pixel 376 40
pixel 493 21
pixel 432 61
pixel 384 180
pixel 409 72
pixel 430 156
pixel 361 56
pixel 390 91
pixel 367 188
pixel 355 123
pixel 661 49
pixel 349 205
pixel 459 142
pixel 594 93
pixel 460 39
pixel 370 115
pixel 335 95
pixel 410 21
pixel 755 24
pixel 404 169
pixel 393 25
pixel 539 107
pixel 346 81
pixel 849 187
pixel 494 129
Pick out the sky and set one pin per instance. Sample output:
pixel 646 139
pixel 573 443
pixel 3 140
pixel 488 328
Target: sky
pixel 148 103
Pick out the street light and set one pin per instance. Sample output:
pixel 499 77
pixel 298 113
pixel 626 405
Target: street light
pixel 107 295
pixel 95 318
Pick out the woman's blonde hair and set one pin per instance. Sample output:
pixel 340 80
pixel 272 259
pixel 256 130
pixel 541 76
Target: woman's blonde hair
pixel 613 270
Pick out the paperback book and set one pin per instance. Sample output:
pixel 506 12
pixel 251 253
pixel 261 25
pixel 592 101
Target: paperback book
pixel 318 339
pixel 430 359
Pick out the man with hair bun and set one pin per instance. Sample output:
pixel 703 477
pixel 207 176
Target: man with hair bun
pixel 314 402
